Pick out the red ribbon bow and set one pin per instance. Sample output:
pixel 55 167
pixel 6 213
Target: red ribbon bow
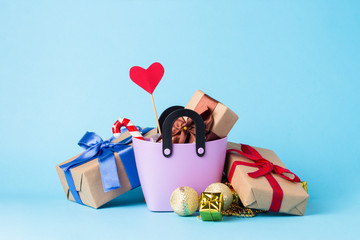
pixel 265 169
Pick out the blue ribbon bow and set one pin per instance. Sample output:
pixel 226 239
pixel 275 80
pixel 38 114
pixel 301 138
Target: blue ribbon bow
pixel 96 147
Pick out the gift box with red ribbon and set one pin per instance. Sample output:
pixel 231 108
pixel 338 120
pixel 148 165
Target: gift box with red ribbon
pixel 262 181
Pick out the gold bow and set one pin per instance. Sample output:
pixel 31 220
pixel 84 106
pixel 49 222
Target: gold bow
pixel 211 201
pixel 211 205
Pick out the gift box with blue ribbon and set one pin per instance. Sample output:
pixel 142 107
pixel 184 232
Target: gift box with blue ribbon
pixel 104 171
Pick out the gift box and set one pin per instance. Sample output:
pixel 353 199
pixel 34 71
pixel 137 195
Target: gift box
pixel 104 171
pixel 218 118
pixel 262 181
pixel 211 205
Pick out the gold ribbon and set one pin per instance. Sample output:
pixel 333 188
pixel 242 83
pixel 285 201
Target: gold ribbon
pixel 211 201
pixel 211 205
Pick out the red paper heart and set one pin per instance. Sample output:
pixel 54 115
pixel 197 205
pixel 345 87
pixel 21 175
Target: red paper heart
pixel 149 78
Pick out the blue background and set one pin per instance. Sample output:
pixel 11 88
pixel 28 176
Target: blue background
pixel 289 69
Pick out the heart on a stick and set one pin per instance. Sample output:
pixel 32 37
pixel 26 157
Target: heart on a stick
pixel 148 78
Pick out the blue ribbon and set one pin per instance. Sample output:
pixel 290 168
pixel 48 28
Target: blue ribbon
pixel 96 147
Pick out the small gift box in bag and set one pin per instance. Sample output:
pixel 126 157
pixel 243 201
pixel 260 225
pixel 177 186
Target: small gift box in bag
pixel 104 171
pixel 218 118
pixel 262 181
pixel 165 166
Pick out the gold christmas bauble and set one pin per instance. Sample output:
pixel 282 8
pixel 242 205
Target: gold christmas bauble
pixel 225 190
pixel 184 201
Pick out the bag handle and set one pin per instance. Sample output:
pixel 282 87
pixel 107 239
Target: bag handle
pixel 167 131
pixel 166 113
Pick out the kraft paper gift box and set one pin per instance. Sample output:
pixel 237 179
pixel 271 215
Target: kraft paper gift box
pixel 223 117
pixel 87 180
pixel 261 191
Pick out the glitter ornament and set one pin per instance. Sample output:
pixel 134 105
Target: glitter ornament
pixel 184 201
pixel 225 190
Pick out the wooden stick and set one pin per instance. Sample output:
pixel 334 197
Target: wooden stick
pixel 157 119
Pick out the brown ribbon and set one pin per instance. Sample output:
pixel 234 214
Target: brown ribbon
pixel 183 131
